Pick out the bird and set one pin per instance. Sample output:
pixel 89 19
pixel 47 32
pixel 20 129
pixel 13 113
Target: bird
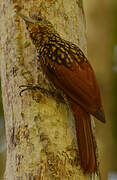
pixel 66 66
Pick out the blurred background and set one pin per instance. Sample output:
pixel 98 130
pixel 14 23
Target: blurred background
pixel 101 20
pixel 2 140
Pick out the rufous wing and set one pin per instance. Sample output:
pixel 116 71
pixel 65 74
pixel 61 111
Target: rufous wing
pixel 79 83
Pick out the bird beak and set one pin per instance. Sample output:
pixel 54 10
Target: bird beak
pixel 30 20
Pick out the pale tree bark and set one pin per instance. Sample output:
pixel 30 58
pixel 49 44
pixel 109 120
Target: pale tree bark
pixel 41 140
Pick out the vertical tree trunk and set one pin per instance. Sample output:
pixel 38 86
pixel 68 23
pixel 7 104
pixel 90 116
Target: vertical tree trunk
pixel 41 140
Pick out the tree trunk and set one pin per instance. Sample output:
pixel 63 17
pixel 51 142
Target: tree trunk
pixel 41 140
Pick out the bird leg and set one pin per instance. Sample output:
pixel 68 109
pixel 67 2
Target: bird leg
pixel 49 93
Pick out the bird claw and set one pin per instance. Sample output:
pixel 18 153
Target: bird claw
pixel 31 87
pixel 22 91
pixel 54 94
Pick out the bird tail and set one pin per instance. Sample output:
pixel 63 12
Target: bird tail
pixel 85 139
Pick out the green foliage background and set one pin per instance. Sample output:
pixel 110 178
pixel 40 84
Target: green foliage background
pixel 114 84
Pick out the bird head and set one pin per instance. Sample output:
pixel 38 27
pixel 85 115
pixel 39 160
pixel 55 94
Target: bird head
pixel 39 28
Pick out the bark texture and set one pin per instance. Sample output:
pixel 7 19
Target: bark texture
pixel 41 140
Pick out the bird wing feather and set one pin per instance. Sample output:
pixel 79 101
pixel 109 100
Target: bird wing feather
pixel 78 83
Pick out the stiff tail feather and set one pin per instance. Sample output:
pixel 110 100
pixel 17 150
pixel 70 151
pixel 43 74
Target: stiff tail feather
pixel 85 139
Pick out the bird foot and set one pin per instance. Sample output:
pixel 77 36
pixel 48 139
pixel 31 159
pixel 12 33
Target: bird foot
pixel 56 95
pixel 31 87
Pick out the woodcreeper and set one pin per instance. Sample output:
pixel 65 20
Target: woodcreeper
pixel 66 66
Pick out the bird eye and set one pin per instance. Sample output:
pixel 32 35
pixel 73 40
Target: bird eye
pixel 27 27
pixel 39 18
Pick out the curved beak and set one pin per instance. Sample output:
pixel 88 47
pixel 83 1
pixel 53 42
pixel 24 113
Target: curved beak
pixel 30 20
